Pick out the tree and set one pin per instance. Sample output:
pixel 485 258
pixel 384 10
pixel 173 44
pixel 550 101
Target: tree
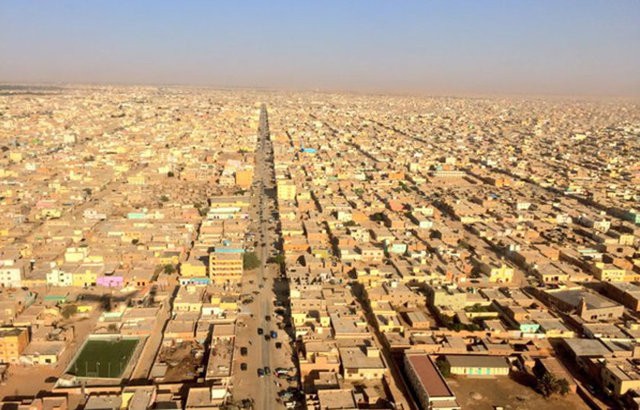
pixel 69 310
pixel 250 260
pixel 202 209
pixel 279 259
pixel 443 366
pixel 164 198
pixel 564 386
pixel 377 217
pixel 169 269
pixel 549 385
pixel 170 174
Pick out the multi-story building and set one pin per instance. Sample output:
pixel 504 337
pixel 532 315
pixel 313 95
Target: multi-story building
pixel 225 267
pixel 11 273
pixel 13 341
pixel 59 277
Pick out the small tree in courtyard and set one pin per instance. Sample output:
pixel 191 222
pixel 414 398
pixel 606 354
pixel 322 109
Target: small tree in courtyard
pixel 443 366
pixel 250 260
pixel 69 310
pixel 549 385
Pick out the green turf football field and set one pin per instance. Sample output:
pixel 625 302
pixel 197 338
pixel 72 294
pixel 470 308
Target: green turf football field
pixel 104 358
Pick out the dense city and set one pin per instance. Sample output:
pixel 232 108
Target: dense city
pixel 194 248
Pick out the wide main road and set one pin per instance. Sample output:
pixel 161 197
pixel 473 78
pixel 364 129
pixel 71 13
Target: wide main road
pixel 265 178
pixel 261 353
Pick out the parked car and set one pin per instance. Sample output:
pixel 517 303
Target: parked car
pixel 260 372
pixel 260 331
pixel 244 351
pixel 274 334
pixel 243 366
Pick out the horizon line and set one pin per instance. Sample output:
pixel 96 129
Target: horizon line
pixel 337 91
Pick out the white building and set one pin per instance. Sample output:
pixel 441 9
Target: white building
pixel 11 273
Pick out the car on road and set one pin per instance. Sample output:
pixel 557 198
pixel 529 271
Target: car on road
pixel 260 373
pixel 243 366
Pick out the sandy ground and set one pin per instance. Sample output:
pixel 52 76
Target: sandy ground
pixel 486 393
pixel 30 380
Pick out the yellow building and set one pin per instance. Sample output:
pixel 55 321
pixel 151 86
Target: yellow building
pixel 13 341
pixel 286 190
pixel 225 267
pixel 167 257
pixel 193 268
pixel 501 274
pixel 496 270
pixel 84 308
pixel 370 277
pixel 74 255
pixel 137 180
pixel 15 156
pixel 619 376
pixel 607 272
pixel 84 278
pixel 226 303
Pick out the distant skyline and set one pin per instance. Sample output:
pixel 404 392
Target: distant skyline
pixel 419 47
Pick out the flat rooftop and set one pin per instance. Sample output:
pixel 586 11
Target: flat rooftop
pixel 477 361
pixel 587 347
pixel 573 297
pixel 429 376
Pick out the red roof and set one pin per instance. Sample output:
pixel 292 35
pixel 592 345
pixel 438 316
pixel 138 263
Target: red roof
pixel 429 377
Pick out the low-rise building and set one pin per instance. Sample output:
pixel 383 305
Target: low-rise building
pixel 362 363
pixel 476 365
pixel 430 388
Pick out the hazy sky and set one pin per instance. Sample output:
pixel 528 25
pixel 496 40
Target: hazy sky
pixel 540 47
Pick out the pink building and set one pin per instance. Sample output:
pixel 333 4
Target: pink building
pixel 110 281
